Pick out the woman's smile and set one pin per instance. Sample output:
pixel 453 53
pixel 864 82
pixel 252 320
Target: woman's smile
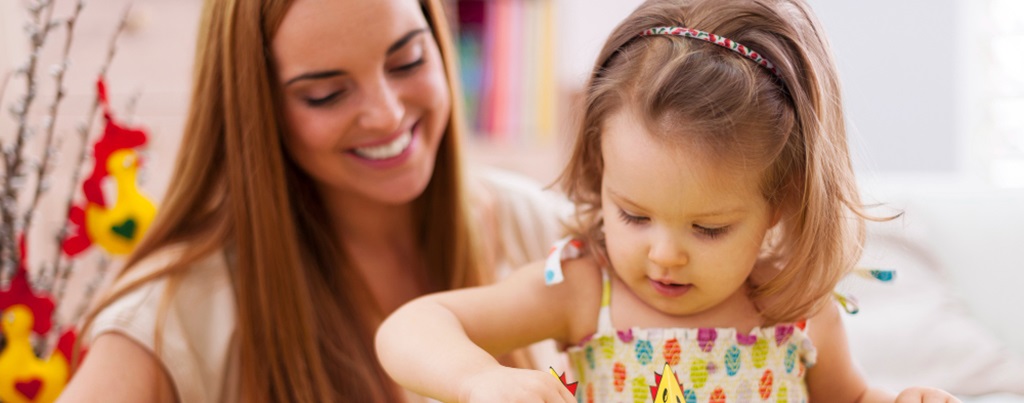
pixel 394 148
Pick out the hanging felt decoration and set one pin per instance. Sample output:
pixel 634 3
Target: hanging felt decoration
pixel 24 377
pixel 116 227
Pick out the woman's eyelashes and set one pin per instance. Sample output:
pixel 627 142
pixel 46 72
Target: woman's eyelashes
pixel 408 67
pixel 329 99
pixel 325 100
pixel 408 59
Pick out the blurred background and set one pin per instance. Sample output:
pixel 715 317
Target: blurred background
pixel 934 91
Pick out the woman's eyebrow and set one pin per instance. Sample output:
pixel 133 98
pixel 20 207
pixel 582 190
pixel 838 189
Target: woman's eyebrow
pixel 316 75
pixel 405 39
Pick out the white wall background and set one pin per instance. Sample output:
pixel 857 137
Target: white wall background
pixel 904 68
pixel 900 64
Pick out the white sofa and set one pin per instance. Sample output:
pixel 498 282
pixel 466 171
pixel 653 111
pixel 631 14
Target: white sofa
pixel 954 317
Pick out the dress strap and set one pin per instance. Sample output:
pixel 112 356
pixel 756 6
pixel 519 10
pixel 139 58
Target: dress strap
pixel 849 302
pixel 569 248
pixel 565 248
pixel 604 316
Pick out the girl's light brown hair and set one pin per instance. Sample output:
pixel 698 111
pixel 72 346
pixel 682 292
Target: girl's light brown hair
pixel 305 323
pixel 790 127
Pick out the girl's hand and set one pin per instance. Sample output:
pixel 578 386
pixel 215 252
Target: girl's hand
pixel 514 385
pixel 925 395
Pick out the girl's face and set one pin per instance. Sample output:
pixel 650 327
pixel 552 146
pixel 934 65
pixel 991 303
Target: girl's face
pixel 365 96
pixel 682 232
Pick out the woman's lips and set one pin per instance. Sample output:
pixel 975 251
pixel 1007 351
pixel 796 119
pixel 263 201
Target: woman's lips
pixel 387 147
pixel 386 150
pixel 388 153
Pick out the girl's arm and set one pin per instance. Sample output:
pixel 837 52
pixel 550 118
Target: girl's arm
pixel 835 377
pixel 443 345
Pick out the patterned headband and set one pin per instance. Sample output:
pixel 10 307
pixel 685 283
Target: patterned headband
pixel 717 40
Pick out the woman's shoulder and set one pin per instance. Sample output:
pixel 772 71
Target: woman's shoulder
pixel 147 268
pixel 525 216
pixel 518 193
pixel 186 319
pixel 196 284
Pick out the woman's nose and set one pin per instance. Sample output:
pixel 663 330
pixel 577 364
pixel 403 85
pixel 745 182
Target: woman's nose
pixel 382 109
pixel 668 251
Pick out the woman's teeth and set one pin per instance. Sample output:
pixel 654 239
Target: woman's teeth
pixel 385 151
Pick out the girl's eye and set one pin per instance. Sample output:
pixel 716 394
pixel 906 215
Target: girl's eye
pixel 632 219
pixel 711 232
pixel 409 66
pixel 315 102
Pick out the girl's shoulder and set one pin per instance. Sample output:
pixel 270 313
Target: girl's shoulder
pixel 570 258
pixel 578 275
pixel 583 272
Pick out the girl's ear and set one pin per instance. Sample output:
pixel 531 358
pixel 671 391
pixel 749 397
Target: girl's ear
pixel 781 204
pixel 776 215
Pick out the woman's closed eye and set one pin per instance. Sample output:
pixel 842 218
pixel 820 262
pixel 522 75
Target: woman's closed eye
pixel 408 58
pixel 409 67
pixel 324 100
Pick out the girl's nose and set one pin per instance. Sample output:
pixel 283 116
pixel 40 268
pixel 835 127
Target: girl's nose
pixel 668 251
pixel 382 110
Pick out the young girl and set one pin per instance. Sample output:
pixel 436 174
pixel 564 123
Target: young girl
pixel 717 210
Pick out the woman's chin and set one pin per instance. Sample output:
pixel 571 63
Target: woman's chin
pixel 399 196
pixel 398 191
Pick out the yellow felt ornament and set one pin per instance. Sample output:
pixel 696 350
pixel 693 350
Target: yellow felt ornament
pixel 118 228
pixel 25 378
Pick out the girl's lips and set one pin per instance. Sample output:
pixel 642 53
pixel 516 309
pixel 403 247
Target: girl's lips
pixel 670 290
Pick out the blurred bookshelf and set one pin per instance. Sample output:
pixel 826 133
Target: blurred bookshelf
pixel 508 67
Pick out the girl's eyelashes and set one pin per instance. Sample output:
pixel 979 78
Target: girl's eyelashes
pixel 632 219
pixel 707 232
pixel 711 232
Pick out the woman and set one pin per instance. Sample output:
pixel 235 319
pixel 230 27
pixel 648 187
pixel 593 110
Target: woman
pixel 318 187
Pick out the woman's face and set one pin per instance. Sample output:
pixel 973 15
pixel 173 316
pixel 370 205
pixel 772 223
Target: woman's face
pixel 365 96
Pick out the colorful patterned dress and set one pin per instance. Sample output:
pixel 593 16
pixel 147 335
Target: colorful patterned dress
pixel 716 365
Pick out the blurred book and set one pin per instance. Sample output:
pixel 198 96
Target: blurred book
pixel 507 61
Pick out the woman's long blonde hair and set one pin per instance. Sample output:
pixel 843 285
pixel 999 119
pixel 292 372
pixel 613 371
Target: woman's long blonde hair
pixel 788 126
pixel 305 321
